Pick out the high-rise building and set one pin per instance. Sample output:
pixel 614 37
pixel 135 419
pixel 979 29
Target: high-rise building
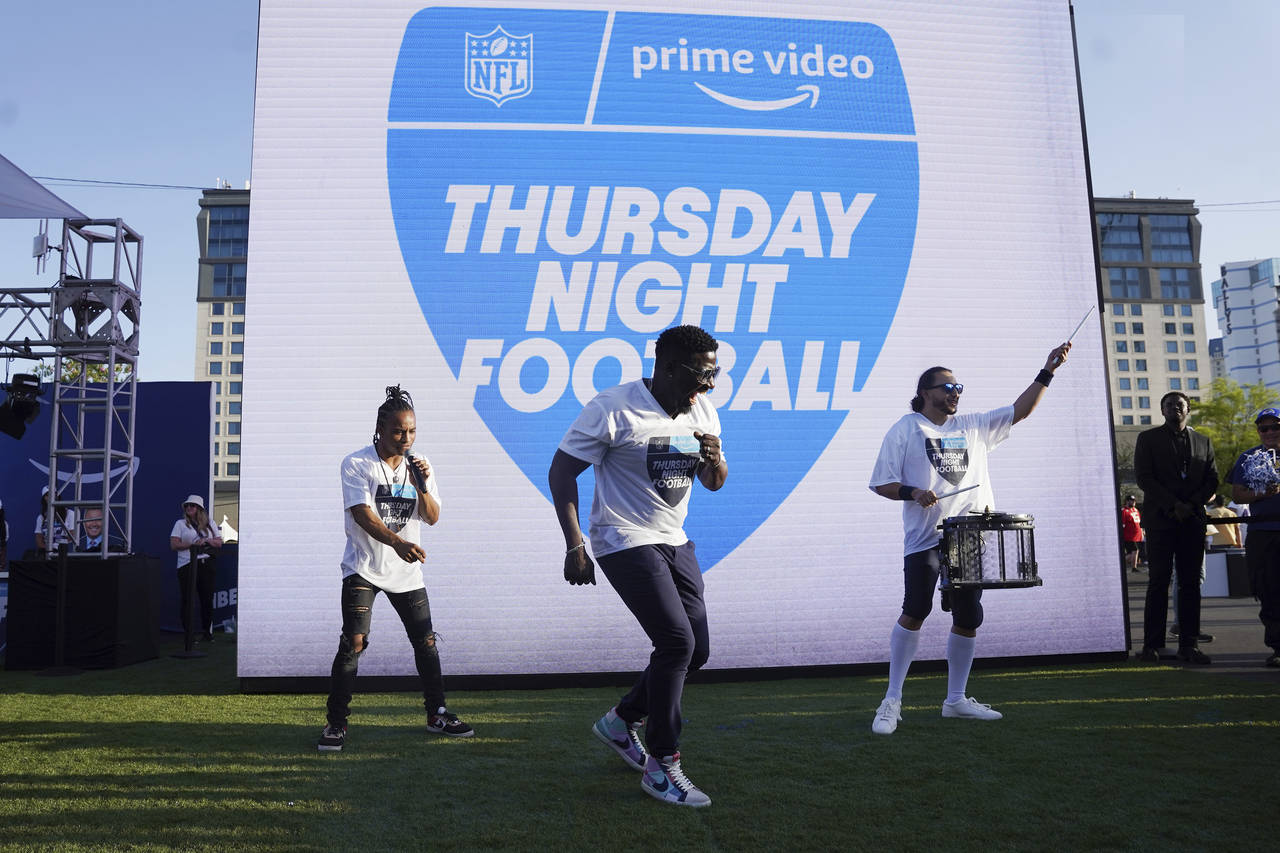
pixel 222 226
pixel 1245 299
pixel 1217 361
pixel 1153 298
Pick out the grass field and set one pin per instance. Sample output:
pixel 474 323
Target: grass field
pixel 167 755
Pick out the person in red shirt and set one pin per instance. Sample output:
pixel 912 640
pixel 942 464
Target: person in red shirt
pixel 1131 529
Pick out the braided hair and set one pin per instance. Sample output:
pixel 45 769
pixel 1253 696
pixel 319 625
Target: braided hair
pixel 397 401
pixel 926 379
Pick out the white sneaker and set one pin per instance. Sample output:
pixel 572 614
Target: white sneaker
pixel 887 716
pixel 664 780
pixel 970 708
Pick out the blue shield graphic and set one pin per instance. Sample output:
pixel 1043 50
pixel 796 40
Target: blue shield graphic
pixel 499 66
pixel 754 176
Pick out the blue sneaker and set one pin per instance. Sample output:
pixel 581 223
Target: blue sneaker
pixel 664 780
pixel 622 737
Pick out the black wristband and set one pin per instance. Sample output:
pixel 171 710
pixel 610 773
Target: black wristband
pixel 904 493
pixel 1044 377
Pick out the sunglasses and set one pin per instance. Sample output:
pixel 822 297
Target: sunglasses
pixel 949 387
pixel 1268 427
pixel 704 376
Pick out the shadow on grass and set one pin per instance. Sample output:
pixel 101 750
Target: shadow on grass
pixel 1086 758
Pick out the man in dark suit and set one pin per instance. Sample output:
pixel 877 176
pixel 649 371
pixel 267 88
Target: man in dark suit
pixel 92 538
pixel 1175 469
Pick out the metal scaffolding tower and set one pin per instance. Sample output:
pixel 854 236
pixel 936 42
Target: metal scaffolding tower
pixel 92 320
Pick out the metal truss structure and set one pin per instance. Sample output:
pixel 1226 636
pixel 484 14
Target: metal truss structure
pixel 89 323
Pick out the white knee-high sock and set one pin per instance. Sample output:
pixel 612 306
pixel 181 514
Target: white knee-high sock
pixel 902 650
pixel 959 662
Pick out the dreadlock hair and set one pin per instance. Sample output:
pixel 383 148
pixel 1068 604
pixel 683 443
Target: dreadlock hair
pixel 397 401
pixel 917 402
pixel 684 340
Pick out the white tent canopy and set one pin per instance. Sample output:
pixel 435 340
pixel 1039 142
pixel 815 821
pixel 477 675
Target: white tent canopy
pixel 22 197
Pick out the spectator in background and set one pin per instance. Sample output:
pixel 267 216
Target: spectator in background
pixel 1174 467
pixel 64 521
pixel 195 540
pixel 1224 535
pixel 1131 531
pixel 1255 481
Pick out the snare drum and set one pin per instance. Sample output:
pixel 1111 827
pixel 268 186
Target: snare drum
pixel 988 550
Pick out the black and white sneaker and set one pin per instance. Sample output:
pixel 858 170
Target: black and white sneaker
pixel 444 723
pixel 332 739
pixel 664 780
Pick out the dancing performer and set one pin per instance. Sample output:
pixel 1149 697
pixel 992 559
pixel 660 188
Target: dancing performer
pixel 925 456
pixel 387 492
pixel 647 440
pixel 1255 481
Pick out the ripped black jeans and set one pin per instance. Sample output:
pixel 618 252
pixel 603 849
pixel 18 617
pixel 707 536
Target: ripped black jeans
pixel 357 609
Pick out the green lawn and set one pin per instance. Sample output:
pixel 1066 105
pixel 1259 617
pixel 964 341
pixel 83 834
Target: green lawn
pixel 166 754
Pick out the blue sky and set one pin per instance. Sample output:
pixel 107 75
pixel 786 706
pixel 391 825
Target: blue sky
pixel 1179 102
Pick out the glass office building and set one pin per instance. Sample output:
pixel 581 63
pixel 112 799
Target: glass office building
pixel 1155 328
pixel 222 225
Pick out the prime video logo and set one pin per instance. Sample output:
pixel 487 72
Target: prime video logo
pixel 654 177
pixel 813 63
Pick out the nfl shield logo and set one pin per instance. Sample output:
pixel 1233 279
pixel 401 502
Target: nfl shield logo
pixel 499 65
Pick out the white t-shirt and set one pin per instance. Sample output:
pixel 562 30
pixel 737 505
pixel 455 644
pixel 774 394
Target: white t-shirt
pixel 187 535
pixel 645 462
pixel 391 494
pixel 60 530
pixel 918 453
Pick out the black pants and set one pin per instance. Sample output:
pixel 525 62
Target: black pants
pixel 414 611
pixel 662 587
pixel 1179 549
pixel 206 575
pixel 1262 553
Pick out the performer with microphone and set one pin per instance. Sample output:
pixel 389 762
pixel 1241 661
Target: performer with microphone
pixel 935 462
pixel 387 492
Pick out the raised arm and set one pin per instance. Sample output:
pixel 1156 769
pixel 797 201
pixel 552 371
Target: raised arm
pixel 1027 400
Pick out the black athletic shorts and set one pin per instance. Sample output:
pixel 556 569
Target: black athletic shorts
pixel 920 578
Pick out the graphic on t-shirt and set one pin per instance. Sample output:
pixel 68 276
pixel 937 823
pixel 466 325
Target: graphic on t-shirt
pixel 950 456
pixel 671 460
pixel 395 504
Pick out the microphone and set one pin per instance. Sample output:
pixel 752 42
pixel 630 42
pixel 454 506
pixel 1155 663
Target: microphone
pixel 414 472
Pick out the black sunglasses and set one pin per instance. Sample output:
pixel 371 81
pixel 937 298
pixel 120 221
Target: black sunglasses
pixel 705 376
pixel 949 387
pixel 1268 427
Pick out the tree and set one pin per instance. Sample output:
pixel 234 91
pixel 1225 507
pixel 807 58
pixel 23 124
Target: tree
pixel 1226 416
pixel 71 369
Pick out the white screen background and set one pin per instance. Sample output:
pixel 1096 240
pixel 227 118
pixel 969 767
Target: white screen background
pixel 1002 270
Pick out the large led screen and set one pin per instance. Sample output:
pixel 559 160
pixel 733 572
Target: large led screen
pixel 500 207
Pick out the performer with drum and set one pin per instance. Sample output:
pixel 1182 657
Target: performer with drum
pixel 930 459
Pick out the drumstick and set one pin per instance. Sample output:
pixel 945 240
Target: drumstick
pixel 957 491
pixel 1081 323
